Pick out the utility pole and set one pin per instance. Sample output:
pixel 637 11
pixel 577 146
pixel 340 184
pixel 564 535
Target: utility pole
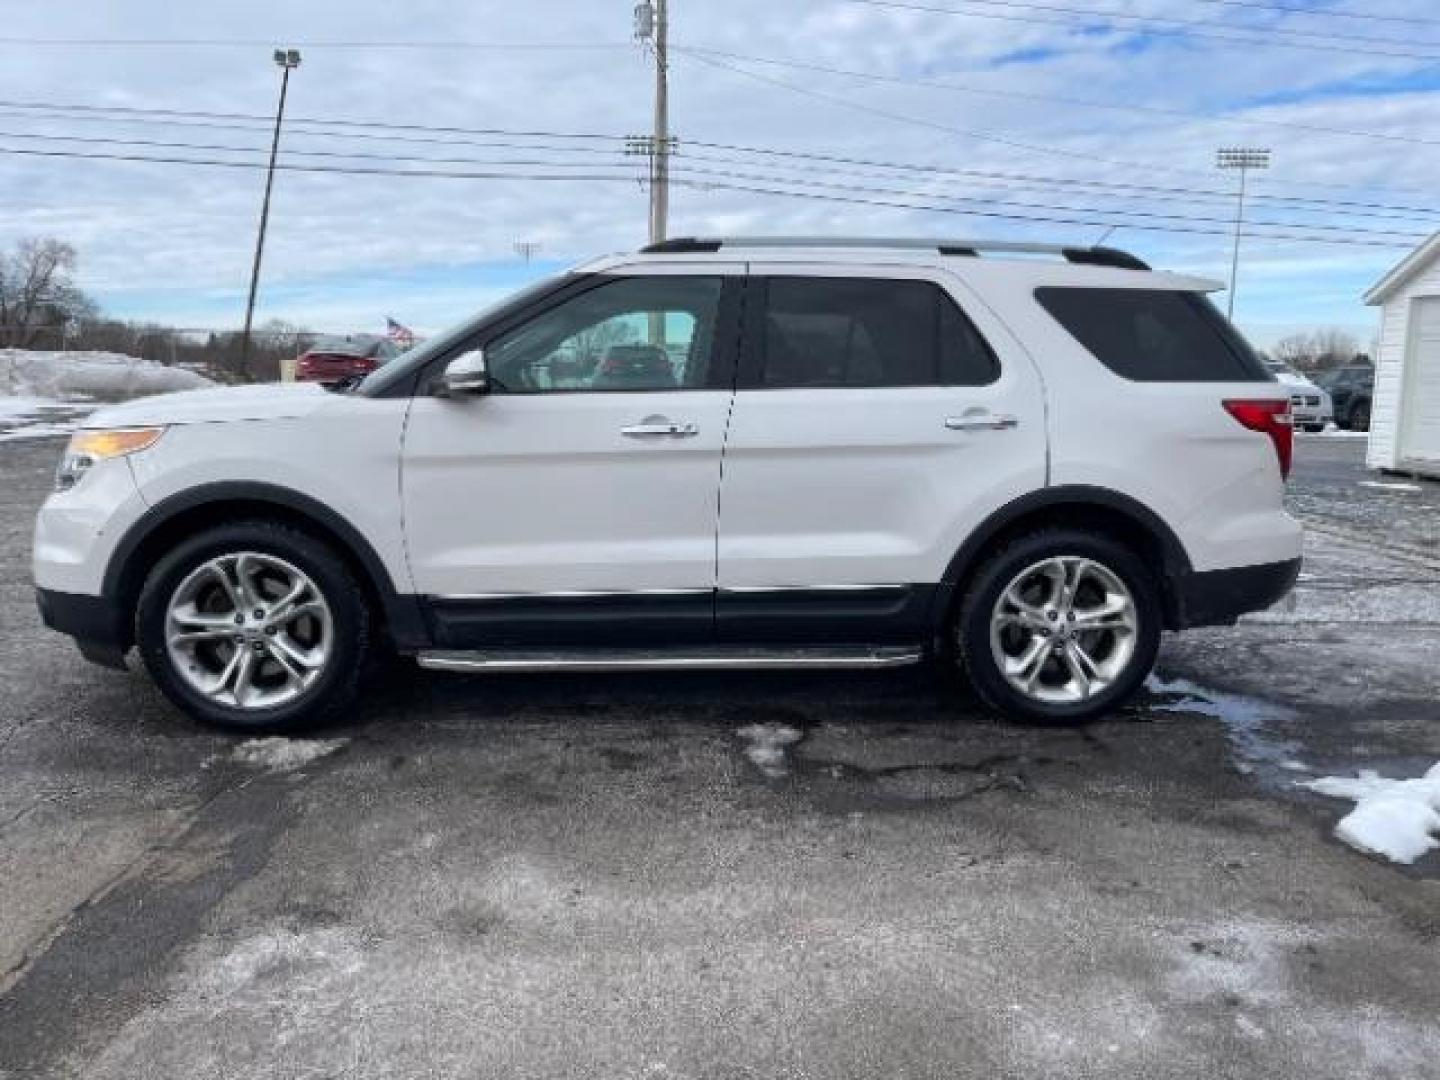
pixel 287 60
pixel 526 249
pixel 652 24
pixel 1244 159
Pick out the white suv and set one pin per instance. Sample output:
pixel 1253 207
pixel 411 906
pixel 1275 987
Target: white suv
pixel 1024 460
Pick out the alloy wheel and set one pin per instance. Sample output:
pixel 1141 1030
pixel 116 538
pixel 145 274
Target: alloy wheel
pixel 249 630
pixel 1064 630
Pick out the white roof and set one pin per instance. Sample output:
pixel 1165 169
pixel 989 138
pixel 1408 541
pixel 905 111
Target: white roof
pixel 1404 270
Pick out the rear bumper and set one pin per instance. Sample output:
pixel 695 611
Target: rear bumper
pixel 1219 597
pixel 98 626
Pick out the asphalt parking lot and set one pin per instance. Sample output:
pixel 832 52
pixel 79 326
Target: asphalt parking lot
pixel 770 876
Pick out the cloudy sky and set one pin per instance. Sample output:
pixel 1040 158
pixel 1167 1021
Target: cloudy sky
pixel 934 117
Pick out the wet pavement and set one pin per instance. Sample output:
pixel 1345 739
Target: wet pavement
pixel 777 875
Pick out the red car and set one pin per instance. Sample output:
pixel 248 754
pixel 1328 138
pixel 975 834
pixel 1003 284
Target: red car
pixel 333 360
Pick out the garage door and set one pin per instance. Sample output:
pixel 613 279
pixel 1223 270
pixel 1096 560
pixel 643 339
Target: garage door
pixel 1420 407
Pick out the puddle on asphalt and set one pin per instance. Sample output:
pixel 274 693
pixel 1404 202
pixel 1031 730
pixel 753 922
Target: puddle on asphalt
pixel 1249 726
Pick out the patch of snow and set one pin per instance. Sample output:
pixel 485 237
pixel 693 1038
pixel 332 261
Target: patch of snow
pixel 767 746
pixel 1398 819
pixel 104 375
pixel 1390 485
pixel 1248 723
pixel 279 754
pixel 1333 432
pixel 39 430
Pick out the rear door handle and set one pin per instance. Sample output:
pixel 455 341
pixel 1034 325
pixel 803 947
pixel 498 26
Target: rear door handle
pixel 982 422
pixel 650 427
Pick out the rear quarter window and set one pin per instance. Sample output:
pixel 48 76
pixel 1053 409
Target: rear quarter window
pixel 1154 335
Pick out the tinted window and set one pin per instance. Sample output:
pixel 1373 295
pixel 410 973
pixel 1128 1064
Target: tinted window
pixel 634 333
pixel 1154 335
pixel 834 332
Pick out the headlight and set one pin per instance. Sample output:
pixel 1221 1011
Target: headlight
pixel 88 447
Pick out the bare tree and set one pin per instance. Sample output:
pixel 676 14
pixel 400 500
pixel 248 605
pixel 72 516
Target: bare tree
pixel 1293 350
pixel 38 296
pixel 1318 350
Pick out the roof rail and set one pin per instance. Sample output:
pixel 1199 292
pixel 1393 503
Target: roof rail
pixel 1090 256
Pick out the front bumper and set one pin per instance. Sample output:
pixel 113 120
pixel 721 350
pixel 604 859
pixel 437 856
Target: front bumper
pixel 98 625
pixel 1219 597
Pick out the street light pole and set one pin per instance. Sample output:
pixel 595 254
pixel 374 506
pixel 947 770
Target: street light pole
pixel 1244 159
pixel 287 60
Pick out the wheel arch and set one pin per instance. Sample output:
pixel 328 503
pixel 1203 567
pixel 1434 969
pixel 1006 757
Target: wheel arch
pixel 1102 509
pixel 181 515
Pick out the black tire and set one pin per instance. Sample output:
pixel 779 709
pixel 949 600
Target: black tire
pixel 971 626
pixel 1314 428
pixel 1360 417
pixel 332 690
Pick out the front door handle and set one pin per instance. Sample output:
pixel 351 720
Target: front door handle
pixel 658 425
pixel 982 422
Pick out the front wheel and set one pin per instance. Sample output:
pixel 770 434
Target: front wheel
pixel 1061 626
pixel 254 626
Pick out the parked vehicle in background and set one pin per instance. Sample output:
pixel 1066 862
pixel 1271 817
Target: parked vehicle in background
pixel 1351 388
pixel 1310 405
pixel 792 453
pixel 336 359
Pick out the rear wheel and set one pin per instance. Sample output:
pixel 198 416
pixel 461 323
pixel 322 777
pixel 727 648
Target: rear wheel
pixel 1061 625
pixel 254 626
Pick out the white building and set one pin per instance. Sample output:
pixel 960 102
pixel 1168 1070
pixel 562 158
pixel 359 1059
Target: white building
pixel 1405 409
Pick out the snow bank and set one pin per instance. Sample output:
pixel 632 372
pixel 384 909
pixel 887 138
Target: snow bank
pixel 102 375
pixel 1399 819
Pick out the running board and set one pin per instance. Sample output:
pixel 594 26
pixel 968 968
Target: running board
pixel 714 657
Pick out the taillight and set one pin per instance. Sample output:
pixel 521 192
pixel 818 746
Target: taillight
pixel 1271 417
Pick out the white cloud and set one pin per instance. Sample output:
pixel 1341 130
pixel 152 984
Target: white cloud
pixel 164 239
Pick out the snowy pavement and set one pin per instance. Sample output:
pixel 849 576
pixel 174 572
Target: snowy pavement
pixel 781 875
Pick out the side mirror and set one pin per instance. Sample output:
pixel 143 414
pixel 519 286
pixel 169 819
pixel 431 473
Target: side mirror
pixel 466 374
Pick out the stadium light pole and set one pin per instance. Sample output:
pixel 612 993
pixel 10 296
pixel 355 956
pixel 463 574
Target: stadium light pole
pixel 287 60
pixel 1242 158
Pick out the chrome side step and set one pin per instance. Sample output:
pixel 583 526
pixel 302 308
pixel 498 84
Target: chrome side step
pixel 704 658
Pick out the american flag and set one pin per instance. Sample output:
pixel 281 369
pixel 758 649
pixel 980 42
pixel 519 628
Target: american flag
pixel 399 333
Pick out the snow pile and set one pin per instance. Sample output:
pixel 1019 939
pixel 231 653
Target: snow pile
pixel 767 746
pixel 1399 819
pixel 279 754
pixel 103 375
pixel 1390 485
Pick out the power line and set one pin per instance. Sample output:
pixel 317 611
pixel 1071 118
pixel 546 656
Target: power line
pixel 1317 42
pixel 1022 95
pixel 265 43
pixel 1065 208
pixel 1022 181
pixel 916 121
pixel 727 183
pixel 376 124
pixel 223 122
pixel 1008 179
pixel 1331 13
pixel 1056 181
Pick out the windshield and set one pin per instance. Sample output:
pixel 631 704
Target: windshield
pixel 420 354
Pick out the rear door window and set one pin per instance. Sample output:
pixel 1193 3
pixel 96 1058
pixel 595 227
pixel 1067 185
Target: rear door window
pixel 1154 335
pixel 868 332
